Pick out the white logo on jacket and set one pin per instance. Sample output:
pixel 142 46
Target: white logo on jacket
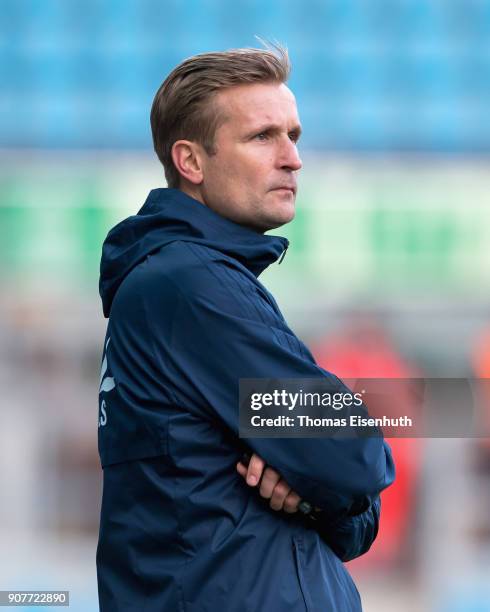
pixel 106 384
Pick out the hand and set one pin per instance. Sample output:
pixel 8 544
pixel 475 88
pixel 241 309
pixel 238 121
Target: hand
pixel 272 486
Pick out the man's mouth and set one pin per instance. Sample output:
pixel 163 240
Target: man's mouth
pixel 285 188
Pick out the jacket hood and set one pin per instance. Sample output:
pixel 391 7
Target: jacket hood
pixel 169 215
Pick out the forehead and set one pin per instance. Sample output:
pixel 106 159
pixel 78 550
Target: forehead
pixel 257 103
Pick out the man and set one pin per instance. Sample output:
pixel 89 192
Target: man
pixel 180 529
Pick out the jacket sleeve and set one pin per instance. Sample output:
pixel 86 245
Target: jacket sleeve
pixel 208 332
pixel 352 536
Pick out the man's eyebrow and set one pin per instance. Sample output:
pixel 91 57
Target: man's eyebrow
pixel 272 128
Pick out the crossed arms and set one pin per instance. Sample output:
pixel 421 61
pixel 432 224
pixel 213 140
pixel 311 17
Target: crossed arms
pixel 216 331
pixel 349 538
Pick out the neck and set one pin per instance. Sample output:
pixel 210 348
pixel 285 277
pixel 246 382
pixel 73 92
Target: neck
pixel 195 192
pixel 192 190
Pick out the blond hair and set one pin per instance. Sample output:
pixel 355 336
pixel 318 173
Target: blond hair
pixel 183 107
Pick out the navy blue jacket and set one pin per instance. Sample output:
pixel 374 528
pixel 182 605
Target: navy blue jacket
pixel 180 530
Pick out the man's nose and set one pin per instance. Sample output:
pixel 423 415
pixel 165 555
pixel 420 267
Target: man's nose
pixel 288 156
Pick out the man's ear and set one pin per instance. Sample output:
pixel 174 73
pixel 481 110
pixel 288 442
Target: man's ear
pixel 187 158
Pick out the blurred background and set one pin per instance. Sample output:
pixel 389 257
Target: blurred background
pixel 387 274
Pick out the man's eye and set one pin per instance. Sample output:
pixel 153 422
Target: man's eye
pixel 294 137
pixel 261 136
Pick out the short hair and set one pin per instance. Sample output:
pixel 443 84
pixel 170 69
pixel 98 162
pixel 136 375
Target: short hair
pixel 183 106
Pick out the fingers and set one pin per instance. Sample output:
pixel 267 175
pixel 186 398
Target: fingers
pixel 269 481
pixel 279 494
pixel 241 469
pixel 271 485
pixel 291 502
pixel 254 471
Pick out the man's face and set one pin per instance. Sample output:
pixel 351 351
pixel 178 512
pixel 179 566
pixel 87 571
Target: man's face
pixel 252 177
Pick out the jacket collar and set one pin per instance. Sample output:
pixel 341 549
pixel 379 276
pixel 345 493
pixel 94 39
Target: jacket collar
pixel 169 215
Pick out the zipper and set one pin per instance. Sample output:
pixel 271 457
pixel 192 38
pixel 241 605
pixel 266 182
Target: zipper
pixel 283 255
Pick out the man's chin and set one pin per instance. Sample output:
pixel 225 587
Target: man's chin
pixel 280 217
